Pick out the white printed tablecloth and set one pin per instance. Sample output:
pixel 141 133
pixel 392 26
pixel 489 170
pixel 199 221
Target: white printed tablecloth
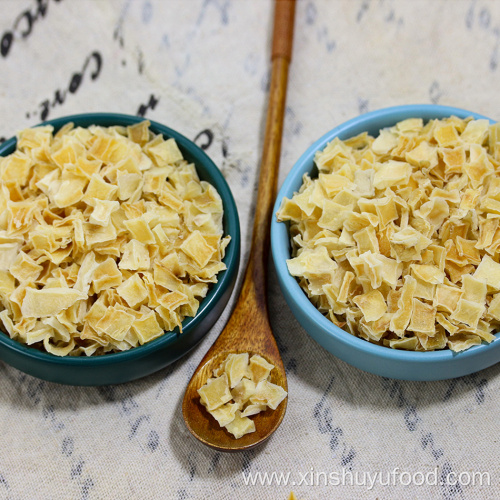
pixel 202 67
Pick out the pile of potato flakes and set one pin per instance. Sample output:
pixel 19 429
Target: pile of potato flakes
pixel 240 388
pixel 108 238
pixel 397 239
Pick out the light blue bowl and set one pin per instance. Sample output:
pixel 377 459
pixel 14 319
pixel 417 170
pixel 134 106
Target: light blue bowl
pixel 399 364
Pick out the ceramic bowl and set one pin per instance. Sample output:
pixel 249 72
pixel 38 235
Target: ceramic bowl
pixel 398 364
pixel 115 368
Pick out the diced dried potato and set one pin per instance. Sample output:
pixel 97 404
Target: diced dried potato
pixel 115 323
pixel 253 409
pixel 461 342
pixel 108 238
pixel 240 425
pixel 268 394
pixel 259 368
pixel 407 343
pixel 243 391
pixel 196 247
pixel 215 392
pixel 225 414
pixel 468 312
pixel 48 301
pixel 399 235
pixel 147 328
pixel 371 304
pixel 236 368
pixel 423 318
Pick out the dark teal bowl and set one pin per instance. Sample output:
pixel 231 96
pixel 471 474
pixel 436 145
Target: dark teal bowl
pixel 117 368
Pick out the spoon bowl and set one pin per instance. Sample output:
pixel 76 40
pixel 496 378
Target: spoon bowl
pixel 205 428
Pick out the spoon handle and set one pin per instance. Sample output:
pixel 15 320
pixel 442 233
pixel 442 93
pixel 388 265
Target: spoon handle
pixel 248 328
pixel 254 286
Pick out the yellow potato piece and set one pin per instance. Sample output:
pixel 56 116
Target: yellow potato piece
pixel 147 328
pixel 259 368
pixel 140 230
pixel 24 268
pixel 165 153
pixel 215 392
pixel 268 394
pixel 115 323
pixel 48 302
pixel 461 342
pixel 102 211
pixel 423 318
pixel 468 312
pixel 240 425
pixel 236 367
pixel 371 304
pixel 106 275
pixel 135 257
pixel 196 247
pixel 489 270
pixel 133 290
pixel 225 414
pixel 253 409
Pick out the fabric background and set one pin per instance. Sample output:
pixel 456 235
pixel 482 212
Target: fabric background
pixel 202 67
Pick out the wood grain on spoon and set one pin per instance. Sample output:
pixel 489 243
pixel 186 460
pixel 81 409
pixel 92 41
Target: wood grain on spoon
pixel 248 329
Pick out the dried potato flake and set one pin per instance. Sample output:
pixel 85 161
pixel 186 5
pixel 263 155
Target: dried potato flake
pixel 402 232
pixel 108 238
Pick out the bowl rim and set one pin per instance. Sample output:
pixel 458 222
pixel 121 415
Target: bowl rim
pixel 280 245
pixel 231 258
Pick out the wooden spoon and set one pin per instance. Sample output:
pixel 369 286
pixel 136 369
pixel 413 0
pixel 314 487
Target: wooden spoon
pixel 248 329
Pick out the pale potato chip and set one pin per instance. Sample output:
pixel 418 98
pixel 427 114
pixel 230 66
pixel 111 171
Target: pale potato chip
pixel 225 414
pixel 253 409
pixel 407 343
pixel 106 275
pixel 243 391
pixel 196 247
pixel 371 304
pixel 446 298
pixel 474 290
pixel 392 173
pixel 48 302
pixel 165 152
pixel 259 368
pixel 103 209
pixel 268 394
pixel 147 328
pixel 427 273
pixel 25 268
pixel 139 229
pixel 461 342
pixel 236 367
pixel 489 271
pixel 423 318
pixel 240 425
pixel 135 256
pixel 215 392
pixel 115 323
pixel 468 312
pixel 494 307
